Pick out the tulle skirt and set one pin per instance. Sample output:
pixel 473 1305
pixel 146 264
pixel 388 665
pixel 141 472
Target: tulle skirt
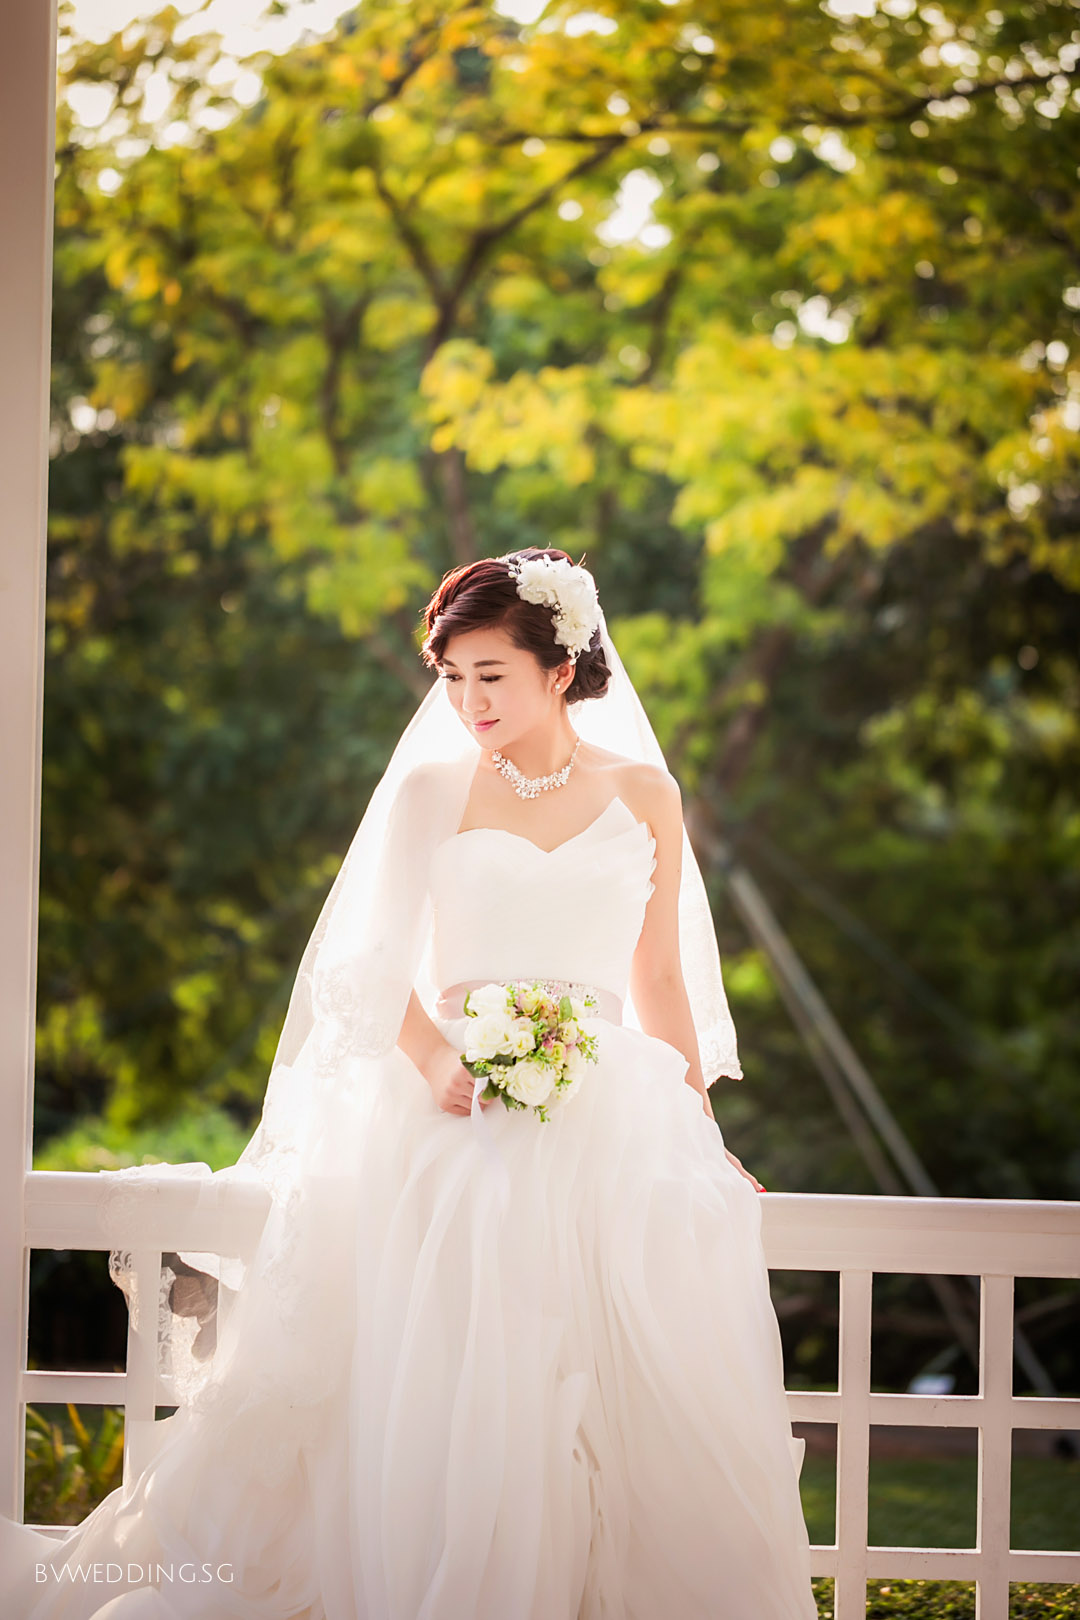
pixel 485 1368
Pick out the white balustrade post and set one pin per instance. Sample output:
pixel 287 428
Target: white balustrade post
pixel 995 1447
pixel 27 149
pixel 853 1444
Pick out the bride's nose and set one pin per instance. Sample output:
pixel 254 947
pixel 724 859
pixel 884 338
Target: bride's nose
pixel 474 703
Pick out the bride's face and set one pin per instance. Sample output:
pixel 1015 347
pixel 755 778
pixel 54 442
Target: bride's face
pixel 500 691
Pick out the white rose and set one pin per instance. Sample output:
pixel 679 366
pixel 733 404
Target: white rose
pixel 490 998
pixel 578 1008
pixel 530 1082
pixel 486 1036
pixel 523 1039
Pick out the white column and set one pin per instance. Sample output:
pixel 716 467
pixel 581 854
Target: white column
pixel 27 150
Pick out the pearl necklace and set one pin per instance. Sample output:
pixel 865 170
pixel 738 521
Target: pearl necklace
pixel 528 787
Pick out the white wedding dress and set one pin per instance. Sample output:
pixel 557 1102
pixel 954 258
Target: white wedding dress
pixel 532 1370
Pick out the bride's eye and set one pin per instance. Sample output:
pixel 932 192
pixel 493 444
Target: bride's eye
pixel 448 675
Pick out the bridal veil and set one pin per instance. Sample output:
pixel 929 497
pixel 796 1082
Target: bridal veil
pixel 367 951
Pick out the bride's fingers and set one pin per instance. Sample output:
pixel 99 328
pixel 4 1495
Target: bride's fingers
pixel 484 1102
pixel 743 1171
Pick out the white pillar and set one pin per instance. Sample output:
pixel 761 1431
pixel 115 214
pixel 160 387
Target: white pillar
pixel 27 155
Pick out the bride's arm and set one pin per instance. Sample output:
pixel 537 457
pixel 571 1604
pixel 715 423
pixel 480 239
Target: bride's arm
pixel 656 977
pixel 424 1043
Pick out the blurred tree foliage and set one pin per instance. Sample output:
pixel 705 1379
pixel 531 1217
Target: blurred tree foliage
pixel 767 308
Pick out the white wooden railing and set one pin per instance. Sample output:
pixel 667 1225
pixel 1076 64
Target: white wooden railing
pixel 994 1240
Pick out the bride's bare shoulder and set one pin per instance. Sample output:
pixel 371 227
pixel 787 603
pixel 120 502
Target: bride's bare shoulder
pixel 650 791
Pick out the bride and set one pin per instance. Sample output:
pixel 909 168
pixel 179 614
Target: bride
pixel 505 1349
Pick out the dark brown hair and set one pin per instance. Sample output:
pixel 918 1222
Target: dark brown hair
pixel 483 593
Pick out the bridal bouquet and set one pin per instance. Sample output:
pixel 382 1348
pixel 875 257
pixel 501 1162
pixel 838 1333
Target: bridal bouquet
pixel 527 1043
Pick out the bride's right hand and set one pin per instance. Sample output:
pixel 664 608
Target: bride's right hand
pixel 451 1083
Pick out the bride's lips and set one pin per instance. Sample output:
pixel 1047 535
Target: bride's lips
pixel 484 725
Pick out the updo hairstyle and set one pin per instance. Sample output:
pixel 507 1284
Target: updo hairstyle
pixel 482 594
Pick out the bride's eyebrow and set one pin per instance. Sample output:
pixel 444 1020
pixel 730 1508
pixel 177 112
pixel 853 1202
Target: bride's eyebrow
pixel 480 662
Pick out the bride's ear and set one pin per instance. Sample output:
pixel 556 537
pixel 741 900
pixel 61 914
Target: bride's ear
pixel 564 674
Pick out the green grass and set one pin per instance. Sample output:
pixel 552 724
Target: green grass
pixel 930 1502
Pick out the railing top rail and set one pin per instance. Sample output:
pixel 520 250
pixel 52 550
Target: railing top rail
pixel 188 1206
pixel 956 1214
pixel 193 1209
pixel 957 1236
pixel 960 1214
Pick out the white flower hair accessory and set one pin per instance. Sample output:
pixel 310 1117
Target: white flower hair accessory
pixel 567 588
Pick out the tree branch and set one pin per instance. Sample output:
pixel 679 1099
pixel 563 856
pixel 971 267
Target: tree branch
pixel 413 241
pixel 341 330
pixel 485 239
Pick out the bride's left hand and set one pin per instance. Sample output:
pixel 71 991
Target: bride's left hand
pixel 743 1171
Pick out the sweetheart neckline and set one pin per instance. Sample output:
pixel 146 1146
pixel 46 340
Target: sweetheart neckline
pixel 539 848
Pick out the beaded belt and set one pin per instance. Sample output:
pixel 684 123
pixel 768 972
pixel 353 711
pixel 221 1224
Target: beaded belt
pixel 451 1002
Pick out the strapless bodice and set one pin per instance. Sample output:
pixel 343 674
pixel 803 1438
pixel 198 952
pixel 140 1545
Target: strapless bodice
pixel 506 909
